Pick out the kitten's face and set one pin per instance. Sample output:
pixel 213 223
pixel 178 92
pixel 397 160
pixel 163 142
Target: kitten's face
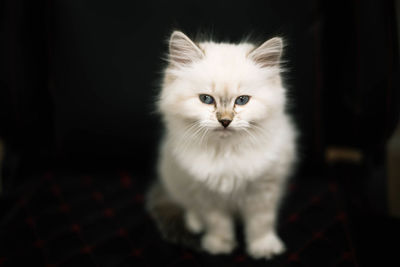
pixel 223 88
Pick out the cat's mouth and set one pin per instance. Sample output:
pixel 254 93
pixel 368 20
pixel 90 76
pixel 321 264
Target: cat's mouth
pixel 224 132
pixel 222 129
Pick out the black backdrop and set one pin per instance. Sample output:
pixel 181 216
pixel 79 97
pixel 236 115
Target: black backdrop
pixel 80 77
pixel 77 86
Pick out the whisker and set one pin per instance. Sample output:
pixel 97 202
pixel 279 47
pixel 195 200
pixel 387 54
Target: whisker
pixel 254 139
pixel 259 128
pixel 204 135
pixel 190 131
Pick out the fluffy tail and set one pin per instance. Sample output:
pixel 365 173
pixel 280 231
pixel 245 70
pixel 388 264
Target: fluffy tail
pixel 168 217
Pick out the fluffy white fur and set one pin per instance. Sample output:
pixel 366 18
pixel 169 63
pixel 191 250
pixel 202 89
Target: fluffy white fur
pixel 218 173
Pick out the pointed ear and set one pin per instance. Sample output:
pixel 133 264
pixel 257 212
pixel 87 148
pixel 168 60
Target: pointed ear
pixel 268 54
pixel 182 51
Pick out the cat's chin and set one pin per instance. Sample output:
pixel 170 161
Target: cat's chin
pixel 224 132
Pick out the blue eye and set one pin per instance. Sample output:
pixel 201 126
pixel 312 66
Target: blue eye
pixel 242 100
pixel 206 99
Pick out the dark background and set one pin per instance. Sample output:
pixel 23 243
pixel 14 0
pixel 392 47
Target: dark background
pixel 78 81
pixel 79 78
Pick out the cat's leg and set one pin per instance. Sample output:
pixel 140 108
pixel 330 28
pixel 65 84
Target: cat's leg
pixel 193 222
pixel 259 216
pixel 262 240
pixel 219 237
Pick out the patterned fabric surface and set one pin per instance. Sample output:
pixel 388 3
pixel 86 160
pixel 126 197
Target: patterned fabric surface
pixel 58 219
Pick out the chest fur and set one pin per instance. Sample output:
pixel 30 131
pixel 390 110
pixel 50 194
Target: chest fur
pixel 209 164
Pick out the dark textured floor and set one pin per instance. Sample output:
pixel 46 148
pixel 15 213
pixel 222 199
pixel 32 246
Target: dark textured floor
pixel 57 219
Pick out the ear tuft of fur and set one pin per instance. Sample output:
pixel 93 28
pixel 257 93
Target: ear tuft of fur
pixel 182 50
pixel 268 54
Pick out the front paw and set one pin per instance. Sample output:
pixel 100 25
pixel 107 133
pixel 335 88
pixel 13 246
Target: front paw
pixel 266 246
pixel 216 244
pixel 193 223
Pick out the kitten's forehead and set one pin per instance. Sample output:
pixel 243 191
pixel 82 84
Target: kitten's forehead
pixel 225 90
pixel 225 58
pixel 225 66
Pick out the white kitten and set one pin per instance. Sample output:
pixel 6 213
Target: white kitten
pixel 229 146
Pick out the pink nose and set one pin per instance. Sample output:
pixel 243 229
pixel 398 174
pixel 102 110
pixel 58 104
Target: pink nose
pixel 225 123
